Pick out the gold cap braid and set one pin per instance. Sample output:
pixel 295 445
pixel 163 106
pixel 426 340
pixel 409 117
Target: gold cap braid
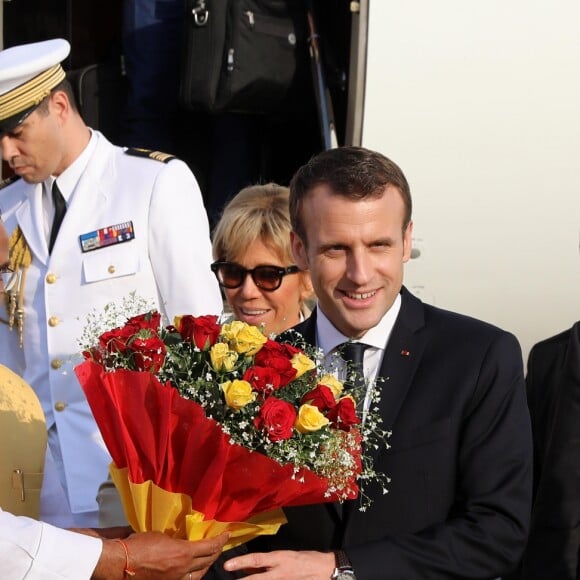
pixel 30 93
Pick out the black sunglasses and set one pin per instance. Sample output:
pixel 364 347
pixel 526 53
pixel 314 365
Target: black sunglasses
pixel 268 278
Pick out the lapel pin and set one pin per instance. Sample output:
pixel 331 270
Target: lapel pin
pixel 405 352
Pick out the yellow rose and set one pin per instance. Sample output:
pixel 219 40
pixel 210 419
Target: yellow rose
pixel 238 393
pixel 332 383
pixel 302 364
pixel 310 419
pixel 176 321
pixel 222 358
pixel 243 338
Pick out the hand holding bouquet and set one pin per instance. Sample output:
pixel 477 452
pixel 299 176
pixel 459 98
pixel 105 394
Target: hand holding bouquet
pixel 215 427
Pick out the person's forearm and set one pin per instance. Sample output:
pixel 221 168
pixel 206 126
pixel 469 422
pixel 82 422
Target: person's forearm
pixel 111 564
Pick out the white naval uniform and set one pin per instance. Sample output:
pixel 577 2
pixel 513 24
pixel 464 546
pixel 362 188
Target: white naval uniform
pixel 168 262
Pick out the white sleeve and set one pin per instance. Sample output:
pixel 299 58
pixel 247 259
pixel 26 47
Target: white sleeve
pixel 180 246
pixel 37 551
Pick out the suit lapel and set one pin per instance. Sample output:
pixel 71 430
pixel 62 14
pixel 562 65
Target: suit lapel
pixel 30 216
pixel 307 329
pixel 402 357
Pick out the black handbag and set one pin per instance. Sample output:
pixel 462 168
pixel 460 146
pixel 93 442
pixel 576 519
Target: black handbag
pixel 247 56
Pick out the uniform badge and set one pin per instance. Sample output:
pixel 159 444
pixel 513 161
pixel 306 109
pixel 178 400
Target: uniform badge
pixel 108 236
pixel 8 181
pixel 147 153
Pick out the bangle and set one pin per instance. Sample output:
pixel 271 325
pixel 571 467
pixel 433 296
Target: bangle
pixel 127 571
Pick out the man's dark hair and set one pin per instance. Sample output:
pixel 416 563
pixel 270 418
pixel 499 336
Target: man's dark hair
pixel 352 172
pixel 66 88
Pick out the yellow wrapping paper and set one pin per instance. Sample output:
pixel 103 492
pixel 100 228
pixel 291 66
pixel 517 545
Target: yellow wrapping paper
pixel 150 508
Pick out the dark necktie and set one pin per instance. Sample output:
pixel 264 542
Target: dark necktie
pixel 353 355
pixel 59 211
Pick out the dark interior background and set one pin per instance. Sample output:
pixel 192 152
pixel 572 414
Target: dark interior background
pixel 266 148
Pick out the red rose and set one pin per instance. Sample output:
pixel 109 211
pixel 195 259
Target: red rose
pixel 93 353
pixel 203 331
pixel 150 320
pixel 283 367
pixel 262 379
pixel 276 417
pixel 289 350
pixel 272 347
pixel 116 340
pixel 321 397
pixel 148 353
pixel 273 355
pixel 343 414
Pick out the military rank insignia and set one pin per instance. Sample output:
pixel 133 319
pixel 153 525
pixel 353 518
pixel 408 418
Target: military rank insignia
pixel 156 155
pixel 9 180
pixel 108 236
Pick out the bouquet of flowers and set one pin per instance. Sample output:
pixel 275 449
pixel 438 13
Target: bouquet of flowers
pixel 215 427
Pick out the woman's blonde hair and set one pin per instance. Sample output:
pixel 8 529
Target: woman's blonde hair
pixel 257 212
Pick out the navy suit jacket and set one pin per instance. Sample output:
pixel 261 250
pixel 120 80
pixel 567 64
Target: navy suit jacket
pixel 553 383
pixel 460 459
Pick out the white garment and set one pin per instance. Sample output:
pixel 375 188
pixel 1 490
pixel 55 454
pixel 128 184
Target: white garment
pixel 329 338
pixel 39 551
pixel 167 263
pixel 67 182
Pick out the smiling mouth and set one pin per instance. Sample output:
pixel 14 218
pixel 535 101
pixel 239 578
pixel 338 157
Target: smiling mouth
pixel 253 312
pixel 360 295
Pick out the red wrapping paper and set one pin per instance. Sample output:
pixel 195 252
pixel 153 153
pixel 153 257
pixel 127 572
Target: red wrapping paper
pixel 161 437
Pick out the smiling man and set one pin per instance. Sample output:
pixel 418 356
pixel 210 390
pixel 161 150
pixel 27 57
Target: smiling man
pixel 452 392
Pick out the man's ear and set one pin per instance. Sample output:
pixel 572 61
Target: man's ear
pixel 408 242
pixel 307 291
pixel 60 105
pixel 299 251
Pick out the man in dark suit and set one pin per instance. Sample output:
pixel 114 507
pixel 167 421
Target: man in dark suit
pixel 453 395
pixel 553 383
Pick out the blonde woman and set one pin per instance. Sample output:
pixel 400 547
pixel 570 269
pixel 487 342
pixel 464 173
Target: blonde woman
pixel 254 263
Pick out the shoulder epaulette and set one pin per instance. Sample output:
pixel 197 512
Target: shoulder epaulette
pixel 156 155
pixel 8 181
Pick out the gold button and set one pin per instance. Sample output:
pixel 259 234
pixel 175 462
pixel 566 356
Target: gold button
pixel 51 278
pixel 53 321
pixel 55 363
pixel 59 406
pixel 112 269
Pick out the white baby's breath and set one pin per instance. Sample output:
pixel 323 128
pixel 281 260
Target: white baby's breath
pixel 330 452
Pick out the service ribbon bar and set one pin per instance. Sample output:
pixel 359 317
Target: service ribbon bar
pixel 108 236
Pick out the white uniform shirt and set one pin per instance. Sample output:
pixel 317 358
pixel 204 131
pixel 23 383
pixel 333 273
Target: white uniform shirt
pixel 67 182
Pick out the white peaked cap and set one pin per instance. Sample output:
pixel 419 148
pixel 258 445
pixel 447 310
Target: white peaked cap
pixel 28 72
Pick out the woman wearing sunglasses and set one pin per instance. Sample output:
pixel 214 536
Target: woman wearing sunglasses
pixel 254 263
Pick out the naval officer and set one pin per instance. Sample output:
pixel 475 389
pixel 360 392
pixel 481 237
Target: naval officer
pixel 89 223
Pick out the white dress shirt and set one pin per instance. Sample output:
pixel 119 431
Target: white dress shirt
pixel 329 339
